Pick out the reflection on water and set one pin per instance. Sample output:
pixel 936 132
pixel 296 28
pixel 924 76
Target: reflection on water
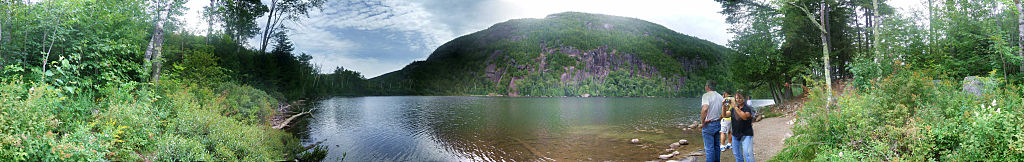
pixel 485 128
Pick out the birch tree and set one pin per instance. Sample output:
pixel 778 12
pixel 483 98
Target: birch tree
pixel 163 9
pixel 1020 32
pixel 285 10
pixel 824 42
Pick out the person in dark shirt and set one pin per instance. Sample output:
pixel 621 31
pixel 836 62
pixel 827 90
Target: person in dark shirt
pixel 742 128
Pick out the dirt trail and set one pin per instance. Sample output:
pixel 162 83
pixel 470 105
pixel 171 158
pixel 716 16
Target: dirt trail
pixel 769 134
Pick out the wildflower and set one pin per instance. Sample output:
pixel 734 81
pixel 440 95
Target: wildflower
pixel 993 102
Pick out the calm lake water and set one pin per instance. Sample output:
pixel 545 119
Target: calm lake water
pixel 418 128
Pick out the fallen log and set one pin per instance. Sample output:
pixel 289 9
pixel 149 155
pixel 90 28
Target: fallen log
pixel 286 121
pixel 313 145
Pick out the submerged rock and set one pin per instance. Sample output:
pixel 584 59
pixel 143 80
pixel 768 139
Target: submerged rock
pixel 674 145
pixel 686 159
pixel 694 125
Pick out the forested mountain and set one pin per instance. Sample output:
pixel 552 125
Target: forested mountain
pixel 566 54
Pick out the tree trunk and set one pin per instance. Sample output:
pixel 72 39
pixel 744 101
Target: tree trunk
pixel 47 56
pixel 825 50
pixel 875 30
pixel 156 43
pixel 2 61
pixel 788 90
pixel 1020 32
pixel 931 29
pixel 209 25
pixel 772 89
pixel 778 91
pixel 269 28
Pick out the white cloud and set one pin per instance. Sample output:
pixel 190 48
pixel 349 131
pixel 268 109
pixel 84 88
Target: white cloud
pixel 400 17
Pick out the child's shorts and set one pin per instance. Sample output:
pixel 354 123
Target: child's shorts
pixel 726 126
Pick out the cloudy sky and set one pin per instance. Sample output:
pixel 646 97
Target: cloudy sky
pixel 379 36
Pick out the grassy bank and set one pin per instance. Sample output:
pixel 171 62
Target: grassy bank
pixel 907 116
pixel 133 121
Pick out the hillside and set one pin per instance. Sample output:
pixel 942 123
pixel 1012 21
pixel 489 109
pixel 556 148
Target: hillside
pixel 566 54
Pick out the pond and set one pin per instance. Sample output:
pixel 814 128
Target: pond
pixel 424 128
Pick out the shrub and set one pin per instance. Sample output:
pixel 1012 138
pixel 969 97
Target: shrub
pixel 131 122
pixel 230 125
pixel 29 127
pixel 906 116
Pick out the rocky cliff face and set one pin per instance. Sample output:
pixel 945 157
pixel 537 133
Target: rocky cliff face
pixel 567 54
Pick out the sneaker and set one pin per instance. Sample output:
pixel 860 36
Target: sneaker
pixel 722 148
pixel 728 146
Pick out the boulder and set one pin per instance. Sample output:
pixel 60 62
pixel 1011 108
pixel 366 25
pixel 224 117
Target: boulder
pixel 977 85
pixel 674 145
pixel 634 140
pixel 684 142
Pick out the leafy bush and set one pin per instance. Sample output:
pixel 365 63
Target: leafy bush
pixel 317 153
pixel 230 125
pixel 29 128
pixel 130 122
pixel 909 117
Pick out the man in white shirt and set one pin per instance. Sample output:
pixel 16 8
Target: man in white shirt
pixel 710 114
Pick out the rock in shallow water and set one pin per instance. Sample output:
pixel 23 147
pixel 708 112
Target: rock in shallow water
pixel 684 142
pixel 635 140
pixel 674 145
pixel 666 156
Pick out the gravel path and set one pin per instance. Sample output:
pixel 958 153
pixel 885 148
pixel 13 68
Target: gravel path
pixel 769 134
